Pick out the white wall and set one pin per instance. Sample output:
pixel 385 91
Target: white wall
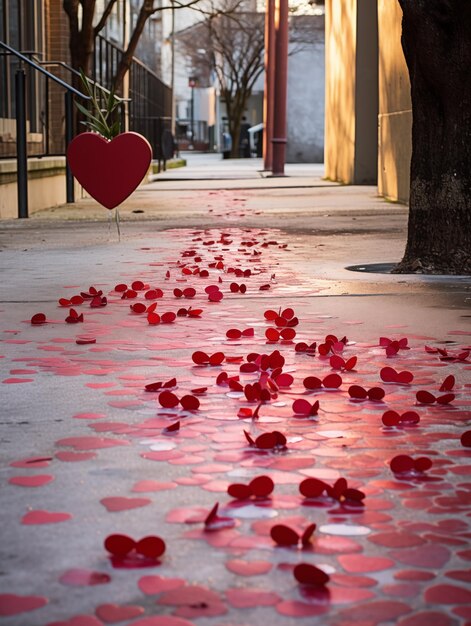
pixel 305 107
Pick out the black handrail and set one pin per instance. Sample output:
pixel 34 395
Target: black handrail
pixel 72 71
pixel 43 71
pixel 147 109
pixel 21 129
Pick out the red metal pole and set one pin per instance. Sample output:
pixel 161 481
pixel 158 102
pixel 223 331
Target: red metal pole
pixel 281 79
pixel 268 99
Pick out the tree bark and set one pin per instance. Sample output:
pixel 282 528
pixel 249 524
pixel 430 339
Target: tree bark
pixel 436 39
pixel 82 37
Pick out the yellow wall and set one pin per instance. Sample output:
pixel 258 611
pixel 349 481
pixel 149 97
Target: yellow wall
pixel 351 138
pixel 340 46
pixel 395 116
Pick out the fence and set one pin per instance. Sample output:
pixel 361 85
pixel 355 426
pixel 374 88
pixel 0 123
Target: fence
pixel 150 100
pixel 37 120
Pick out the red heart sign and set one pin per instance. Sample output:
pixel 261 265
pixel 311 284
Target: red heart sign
pixel 109 170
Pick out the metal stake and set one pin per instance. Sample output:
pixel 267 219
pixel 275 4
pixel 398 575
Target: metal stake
pixel 69 134
pixel 21 143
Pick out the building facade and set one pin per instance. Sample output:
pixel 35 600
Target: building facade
pixel 39 29
pixel 368 106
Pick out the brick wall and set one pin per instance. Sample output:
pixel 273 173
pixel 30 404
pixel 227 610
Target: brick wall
pixel 57 41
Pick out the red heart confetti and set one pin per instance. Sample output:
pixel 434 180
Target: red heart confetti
pixel 403 464
pixel 157 386
pixel 308 574
pixel 38 319
pixel 356 392
pixel 151 547
pixel 390 375
pixel 119 545
pixel 212 451
pixel 425 397
pixel 268 441
pixel 173 428
pixel 332 381
pixel 74 317
pixel 190 402
pixel 466 439
pixel 306 348
pixel 338 363
pixel 260 487
pixel 153 294
pixel 168 400
pixel 312 488
pixel 305 408
pixel 236 288
pixel 286 536
pixel 393 346
pixel 214 522
pixel 201 358
pixel 448 383
pixel 392 418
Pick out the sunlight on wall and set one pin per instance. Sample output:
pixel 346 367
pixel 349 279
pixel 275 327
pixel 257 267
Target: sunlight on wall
pixel 395 115
pixel 340 89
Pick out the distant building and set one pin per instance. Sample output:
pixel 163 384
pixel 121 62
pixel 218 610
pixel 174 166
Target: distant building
pixel 306 93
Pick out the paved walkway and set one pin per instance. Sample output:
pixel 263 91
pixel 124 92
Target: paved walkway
pixel 87 452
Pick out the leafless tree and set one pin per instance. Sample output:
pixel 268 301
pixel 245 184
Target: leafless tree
pixel 229 44
pixel 84 28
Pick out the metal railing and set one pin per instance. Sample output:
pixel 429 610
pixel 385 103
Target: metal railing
pixel 150 99
pixel 44 118
pixel 22 115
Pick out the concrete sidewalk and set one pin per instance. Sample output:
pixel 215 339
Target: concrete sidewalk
pixel 86 451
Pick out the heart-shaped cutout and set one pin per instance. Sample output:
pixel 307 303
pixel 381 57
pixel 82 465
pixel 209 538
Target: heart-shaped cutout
pixel 111 613
pixel 109 170
pixel 11 604
pixel 44 517
pixel 308 574
pixel 151 547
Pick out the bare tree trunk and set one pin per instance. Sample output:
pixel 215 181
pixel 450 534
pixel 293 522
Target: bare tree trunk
pixel 82 38
pixel 436 39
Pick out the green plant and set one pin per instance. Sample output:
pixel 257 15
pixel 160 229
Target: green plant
pixel 102 116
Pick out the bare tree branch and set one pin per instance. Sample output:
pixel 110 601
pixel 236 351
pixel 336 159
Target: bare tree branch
pixel 233 42
pixel 106 13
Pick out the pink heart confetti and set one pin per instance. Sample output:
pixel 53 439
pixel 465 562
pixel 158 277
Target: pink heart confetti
pixel 116 504
pixel 31 481
pixel 84 578
pixel 112 613
pixel 44 517
pixel 11 604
